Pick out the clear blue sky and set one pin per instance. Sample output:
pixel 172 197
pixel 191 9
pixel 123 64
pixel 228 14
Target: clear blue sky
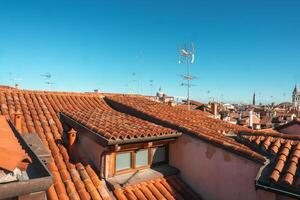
pixel 241 46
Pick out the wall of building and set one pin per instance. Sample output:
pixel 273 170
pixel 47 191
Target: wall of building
pixel 212 172
pixel 294 129
pixel 91 150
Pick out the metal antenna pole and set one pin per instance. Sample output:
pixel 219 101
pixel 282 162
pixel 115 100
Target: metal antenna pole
pixel 188 84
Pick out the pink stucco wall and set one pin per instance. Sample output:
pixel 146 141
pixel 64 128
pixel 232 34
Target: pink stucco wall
pixel 212 172
pixel 92 150
pixel 294 129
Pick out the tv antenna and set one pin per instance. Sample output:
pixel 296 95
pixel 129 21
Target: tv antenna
pixel 49 85
pixel 47 75
pixel 151 86
pixel 186 54
pixel 48 78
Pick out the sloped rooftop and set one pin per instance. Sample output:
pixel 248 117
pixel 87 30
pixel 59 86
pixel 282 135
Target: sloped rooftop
pixel 284 153
pixel 115 126
pixel 40 116
pixel 192 122
pixel 171 187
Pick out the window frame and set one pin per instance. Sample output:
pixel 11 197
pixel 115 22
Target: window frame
pixel 133 166
pixel 115 162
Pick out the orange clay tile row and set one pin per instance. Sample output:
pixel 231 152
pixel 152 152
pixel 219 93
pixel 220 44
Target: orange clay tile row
pixel 40 116
pixel 170 188
pixel 195 122
pixel 12 155
pixel 115 125
pixel 287 157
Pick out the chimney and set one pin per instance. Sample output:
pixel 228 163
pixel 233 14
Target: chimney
pixel 17 86
pixel 251 118
pixel 96 90
pixel 214 108
pixel 18 121
pixel 72 136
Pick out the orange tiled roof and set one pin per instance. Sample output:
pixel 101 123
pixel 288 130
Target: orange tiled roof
pixel 114 125
pixel 40 115
pixel 195 122
pixel 284 155
pixel 161 188
pixel 12 155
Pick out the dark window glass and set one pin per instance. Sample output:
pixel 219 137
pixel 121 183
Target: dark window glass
pixel 159 155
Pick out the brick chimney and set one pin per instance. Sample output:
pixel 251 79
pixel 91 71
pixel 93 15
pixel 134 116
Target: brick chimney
pixel 18 121
pixel 72 136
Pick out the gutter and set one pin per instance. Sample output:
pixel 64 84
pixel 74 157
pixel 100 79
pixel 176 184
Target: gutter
pixel 260 185
pixel 276 190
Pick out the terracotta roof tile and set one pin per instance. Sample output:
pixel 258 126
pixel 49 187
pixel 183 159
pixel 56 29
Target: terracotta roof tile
pixel 11 152
pixel 114 125
pixel 194 122
pixel 40 115
pixel 283 170
pixel 161 188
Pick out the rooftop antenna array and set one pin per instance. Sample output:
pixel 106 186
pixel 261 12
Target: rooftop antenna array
pixel 135 84
pixel 48 80
pixel 186 55
pixel 151 87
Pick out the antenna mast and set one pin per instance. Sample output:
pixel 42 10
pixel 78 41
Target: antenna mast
pixel 48 82
pixel 187 55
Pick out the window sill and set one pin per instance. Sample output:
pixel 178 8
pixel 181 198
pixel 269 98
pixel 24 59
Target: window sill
pixel 141 176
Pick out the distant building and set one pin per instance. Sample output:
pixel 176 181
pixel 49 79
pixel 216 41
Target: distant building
pixel 296 97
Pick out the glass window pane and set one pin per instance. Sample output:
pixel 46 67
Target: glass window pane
pixel 142 158
pixel 159 155
pixel 123 161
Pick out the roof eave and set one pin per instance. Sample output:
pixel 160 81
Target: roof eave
pixel 105 141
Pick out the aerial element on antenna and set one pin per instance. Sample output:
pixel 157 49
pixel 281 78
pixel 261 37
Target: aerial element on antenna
pixel 186 53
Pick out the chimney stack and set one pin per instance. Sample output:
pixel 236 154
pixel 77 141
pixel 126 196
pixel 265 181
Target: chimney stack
pixel 17 86
pixel 214 108
pixel 251 118
pixel 18 121
pixel 72 136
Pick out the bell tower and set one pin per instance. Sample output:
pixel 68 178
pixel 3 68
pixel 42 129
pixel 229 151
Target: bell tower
pixel 296 96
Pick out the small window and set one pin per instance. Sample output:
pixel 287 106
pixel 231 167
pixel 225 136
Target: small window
pixel 159 155
pixel 142 158
pixel 123 161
